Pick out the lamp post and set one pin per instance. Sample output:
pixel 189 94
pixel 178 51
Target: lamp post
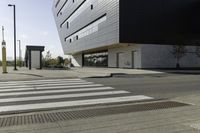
pixel 20 53
pixel 15 63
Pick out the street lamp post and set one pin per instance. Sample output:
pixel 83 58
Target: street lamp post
pixel 15 62
pixel 20 53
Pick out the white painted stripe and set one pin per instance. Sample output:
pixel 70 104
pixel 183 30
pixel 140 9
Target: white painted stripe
pixel 53 82
pixel 73 103
pixel 48 80
pixel 62 96
pixel 45 85
pixel 56 88
pixel 35 83
pixel 45 82
pixel 55 91
pixel 18 86
pixel 20 89
pixel 63 87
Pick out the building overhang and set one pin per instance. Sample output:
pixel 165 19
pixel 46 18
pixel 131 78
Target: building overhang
pixel 117 45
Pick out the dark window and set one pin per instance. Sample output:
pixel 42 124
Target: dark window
pixel 92 7
pixel 86 25
pixel 62 8
pixel 57 3
pixel 73 1
pixel 76 37
pixel 73 12
pixel 99 59
pixel 70 40
pixel 67 25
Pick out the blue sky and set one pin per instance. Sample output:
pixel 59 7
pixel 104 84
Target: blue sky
pixel 35 25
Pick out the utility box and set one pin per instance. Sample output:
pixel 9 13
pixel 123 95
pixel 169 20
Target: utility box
pixel 33 57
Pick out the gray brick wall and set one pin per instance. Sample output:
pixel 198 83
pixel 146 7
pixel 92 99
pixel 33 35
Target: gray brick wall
pixel 160 56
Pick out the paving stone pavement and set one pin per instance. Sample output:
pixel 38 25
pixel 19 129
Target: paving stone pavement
pixel 26 74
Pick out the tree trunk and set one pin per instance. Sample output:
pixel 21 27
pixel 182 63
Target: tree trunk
pixel 177 63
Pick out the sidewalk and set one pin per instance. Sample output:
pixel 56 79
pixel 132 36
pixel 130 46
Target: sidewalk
pixel 86 72
pixel 98 72
pixel 25 74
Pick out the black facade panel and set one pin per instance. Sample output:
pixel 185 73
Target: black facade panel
pixel 160 21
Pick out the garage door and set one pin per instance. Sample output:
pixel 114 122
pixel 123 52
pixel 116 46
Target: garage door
pixel 123 60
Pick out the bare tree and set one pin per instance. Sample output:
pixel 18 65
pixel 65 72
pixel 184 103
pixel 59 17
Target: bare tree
pixel 47 59
pixel 60 60
pixel 48 55
pixel 179 51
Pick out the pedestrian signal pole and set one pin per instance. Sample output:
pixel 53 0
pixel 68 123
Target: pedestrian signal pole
pixel 4 62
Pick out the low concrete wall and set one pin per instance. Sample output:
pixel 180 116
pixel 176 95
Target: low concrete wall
pixel 77 60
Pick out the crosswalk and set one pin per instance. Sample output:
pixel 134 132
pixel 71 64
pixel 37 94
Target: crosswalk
pixel 23 96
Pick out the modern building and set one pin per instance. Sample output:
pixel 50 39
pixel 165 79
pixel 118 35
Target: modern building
pixel 129 33
pixel 33 57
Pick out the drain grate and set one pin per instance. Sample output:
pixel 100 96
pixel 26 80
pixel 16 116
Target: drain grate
pixel 81 114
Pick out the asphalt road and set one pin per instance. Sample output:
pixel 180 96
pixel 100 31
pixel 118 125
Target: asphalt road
pixel 165 86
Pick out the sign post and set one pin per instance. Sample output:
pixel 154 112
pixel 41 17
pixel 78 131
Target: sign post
pixel 4 62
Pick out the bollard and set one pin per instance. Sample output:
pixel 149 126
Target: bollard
pixel 4 62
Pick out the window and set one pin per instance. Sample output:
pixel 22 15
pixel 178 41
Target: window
pixel 76 37
pixel 73 1
pixel 88 29
pixel 67 25
pixel 62 8
pixel 98 59
pixel 92 7
pixel 57 3
pixel 85 5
